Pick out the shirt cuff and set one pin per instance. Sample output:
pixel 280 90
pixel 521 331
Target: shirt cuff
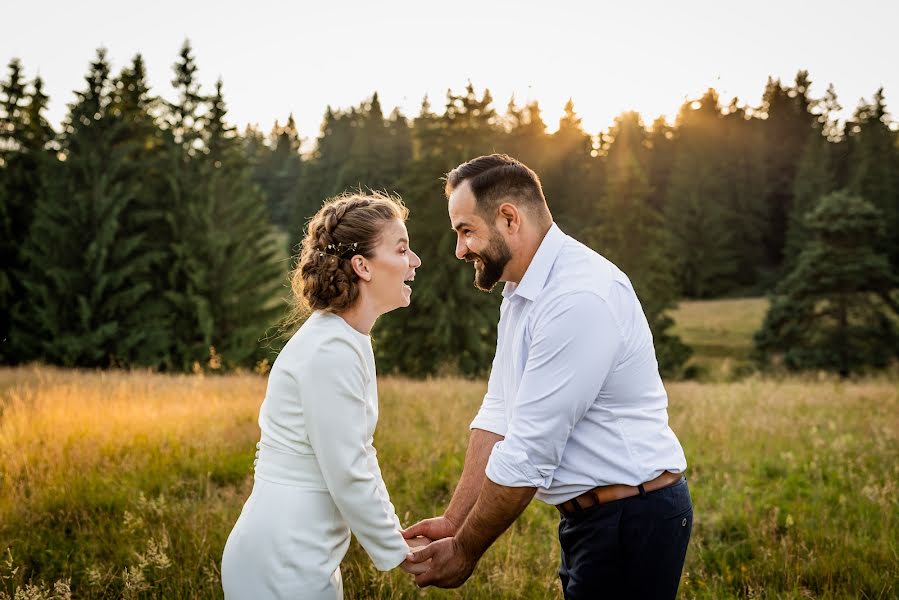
pixel 492 423
pixel 513 468
pixel 393 558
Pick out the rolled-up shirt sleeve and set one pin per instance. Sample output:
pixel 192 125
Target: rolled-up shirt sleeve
pixel 335 417
pixel 575 343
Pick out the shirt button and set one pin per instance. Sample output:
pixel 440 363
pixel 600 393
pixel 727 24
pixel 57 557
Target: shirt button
pixel 684 522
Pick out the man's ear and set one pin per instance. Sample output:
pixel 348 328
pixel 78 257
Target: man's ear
pixel 361 267
pixel 509 217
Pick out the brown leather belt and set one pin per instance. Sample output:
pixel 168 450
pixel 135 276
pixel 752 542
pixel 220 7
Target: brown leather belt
pixel 618 491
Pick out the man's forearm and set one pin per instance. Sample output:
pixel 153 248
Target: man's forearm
pixel 496 508
pixel 480 444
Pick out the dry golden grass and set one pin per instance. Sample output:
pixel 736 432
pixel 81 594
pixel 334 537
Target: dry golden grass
pixel 127 484
pixel 57 423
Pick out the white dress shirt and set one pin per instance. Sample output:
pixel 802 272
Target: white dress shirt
pixel 575 388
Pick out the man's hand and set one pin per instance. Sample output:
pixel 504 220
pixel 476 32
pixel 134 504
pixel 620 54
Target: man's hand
pixel 414 568
pixel 449 567
pixel 435 529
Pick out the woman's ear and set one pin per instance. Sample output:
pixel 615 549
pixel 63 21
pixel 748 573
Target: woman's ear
pixel 360 266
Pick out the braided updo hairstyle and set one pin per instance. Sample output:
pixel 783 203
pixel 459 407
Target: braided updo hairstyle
pixel 323 278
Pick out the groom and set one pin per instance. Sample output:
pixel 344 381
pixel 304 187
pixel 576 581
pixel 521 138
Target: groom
pixel 575 411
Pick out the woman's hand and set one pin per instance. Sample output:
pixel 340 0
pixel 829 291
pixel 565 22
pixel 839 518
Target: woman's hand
pixel 413 568
pixel 418 542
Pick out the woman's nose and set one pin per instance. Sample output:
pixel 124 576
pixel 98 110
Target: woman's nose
pixel 416 261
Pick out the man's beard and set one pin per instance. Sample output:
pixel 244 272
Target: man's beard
pixel 493 261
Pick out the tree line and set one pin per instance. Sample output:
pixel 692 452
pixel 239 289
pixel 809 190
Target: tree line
pixel 150 232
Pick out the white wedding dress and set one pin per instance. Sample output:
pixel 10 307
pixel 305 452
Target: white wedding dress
pixel 317 475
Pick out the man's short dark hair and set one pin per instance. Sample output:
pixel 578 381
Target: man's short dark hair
pixel 498 178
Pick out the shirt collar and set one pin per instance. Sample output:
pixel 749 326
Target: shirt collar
pixel 538 271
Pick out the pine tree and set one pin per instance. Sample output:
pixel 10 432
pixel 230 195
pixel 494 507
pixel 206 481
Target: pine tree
pixel 526 137
pixel 87 274
pixel 276 167
pixel 24 139
pixel 240 275
pixel 747 212
pixel 827 109
pixel 426 132
pixel 814 180
pixel 334 146
pixel 135 110
pixel 874 167
pixel 788 119
pixel 571 175
pixel 38 133
pixel 282 170
pixel 836 132
pixel 183 205
pixel 470 127
pixel 450 326
pixel 632 236
pixel 362 167
pixel 398 152
pixel 834 310
pixel 12 108
pixel 319 173
pixel 661 158
pixel 514 117
pixel 357 149
pixel 698 208
pixel 185 115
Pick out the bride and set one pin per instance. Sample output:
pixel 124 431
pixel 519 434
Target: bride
pixel 316 472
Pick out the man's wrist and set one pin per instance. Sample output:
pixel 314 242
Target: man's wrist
pixel 469 544
pixel 455 521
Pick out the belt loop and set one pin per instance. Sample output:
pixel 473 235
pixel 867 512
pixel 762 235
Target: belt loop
pixel 642 490
pixel 577 505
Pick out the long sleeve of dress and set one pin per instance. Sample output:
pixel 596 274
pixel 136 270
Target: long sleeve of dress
pixel 335 413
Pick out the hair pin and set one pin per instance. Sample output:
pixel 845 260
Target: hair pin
pixel 339 250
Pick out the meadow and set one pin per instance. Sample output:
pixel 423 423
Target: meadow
pixel 126 484
pixel 720 334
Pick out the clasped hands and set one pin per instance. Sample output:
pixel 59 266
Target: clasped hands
pixel 436 557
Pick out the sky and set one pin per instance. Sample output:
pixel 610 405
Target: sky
pixel 277 58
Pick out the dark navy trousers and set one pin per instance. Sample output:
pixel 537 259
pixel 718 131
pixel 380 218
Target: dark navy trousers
pixel 632 548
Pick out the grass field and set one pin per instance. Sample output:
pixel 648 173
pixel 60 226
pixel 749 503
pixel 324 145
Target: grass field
pixel 125 485
pixel 720 333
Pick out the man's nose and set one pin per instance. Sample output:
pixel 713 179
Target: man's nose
pixel 461 248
